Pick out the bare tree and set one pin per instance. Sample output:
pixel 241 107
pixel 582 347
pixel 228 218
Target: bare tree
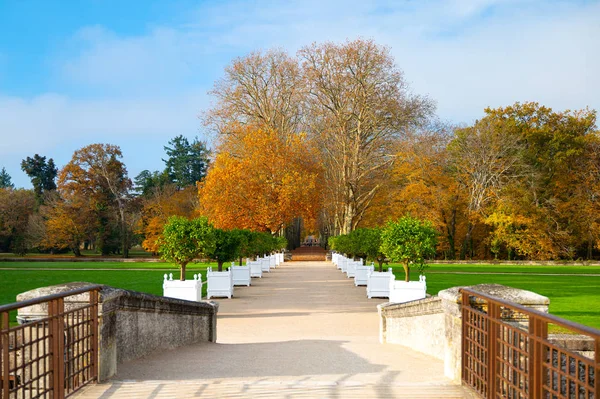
pixel 358 106
pixel 262 88
pixel 485 158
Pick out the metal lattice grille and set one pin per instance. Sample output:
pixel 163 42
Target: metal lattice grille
pixel 506 353
pixel 475 350
pixel 53 356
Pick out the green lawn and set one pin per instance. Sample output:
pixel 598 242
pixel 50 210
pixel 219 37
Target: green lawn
pixel 14 282
pixel 102 265
pixel 574 297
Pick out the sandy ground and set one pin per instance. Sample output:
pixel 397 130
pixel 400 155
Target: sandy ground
pixel 303 330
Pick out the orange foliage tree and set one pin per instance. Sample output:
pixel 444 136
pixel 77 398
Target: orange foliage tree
pixel 69 221
pixel 261 181
pixel 165 202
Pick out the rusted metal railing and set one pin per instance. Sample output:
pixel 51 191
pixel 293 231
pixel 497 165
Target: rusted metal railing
pixel 506 352
pixel 53 356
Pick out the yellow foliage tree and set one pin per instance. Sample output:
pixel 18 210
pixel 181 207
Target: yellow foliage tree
pixel 261 180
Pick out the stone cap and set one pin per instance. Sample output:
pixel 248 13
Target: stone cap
pixel 41 309
pixel 516 295
pixel 110 299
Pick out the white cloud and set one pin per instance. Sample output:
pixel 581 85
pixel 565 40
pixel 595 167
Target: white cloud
pixel 464 54
pixel 54 126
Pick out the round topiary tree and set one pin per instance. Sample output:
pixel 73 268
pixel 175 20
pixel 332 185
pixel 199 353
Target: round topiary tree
pixel 226 248
pixel 410 241
pixel 368 241
pixel 183 240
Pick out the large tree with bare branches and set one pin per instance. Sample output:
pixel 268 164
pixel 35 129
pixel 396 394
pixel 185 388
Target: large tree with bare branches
pixel 358 106
pixel 263 89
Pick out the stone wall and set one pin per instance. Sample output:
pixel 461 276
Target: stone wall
pixel 434 325
pixel 133 324
pixel 408 323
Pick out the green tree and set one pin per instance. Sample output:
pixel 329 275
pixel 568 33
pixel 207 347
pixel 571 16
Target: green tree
pixel 184 240
pixel 342 244
pixel 41 173
pixel 5 181
pixel 280 243
pixel 410 241
pixel 367 244
pixel 226 248
pixel 245 238
pixel 146 182
pixel 187 162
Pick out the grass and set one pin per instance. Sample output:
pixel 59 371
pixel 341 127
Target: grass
pixel 147 278
pixel 574 297
pixel 133 253
pixel 103 265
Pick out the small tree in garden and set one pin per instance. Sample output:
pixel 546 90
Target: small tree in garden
pixel 370 244
pixel 282 243
pixel 226 248
pixel 410 241
pixel 342 244
pixel 246 238
pixel 183 240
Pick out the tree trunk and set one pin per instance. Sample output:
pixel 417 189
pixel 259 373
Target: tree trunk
pixel 406 271
pixel 124 238
pixel 76 251
pixel 220 265
pixel 182 272
pixel 241 259
pixel 450 234
pixel 380 261
pixel 467 243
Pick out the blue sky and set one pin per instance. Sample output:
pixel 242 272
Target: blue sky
pixel 136 73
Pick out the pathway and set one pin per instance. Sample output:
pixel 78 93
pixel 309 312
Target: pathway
pixel 303 330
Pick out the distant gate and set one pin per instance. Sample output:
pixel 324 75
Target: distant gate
pixel 53 356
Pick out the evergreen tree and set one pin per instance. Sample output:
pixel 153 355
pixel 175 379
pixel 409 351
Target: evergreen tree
pixel 41 173
pixel 186 163
pixel 5 181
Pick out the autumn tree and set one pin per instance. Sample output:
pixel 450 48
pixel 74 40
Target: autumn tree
pixel 158 206
pixel 261 181
pixel 41 173
pixel 358 106
pixel 97 172
pixel 264 89
pixel 421 184
pixel 5 180
pixel 485 158
pixel 69 222
pixel 547 211
pixel 16 207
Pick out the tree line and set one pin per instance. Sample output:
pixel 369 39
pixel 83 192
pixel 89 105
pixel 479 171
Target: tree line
pixel 91 203
pixel 520 183
pixel 331 140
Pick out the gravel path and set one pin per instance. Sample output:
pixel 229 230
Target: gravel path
pixel 303 330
